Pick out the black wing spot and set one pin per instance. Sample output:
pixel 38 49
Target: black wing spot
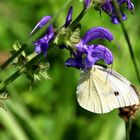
pixel 116 93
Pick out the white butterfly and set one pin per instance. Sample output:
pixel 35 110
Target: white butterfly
pixel 101 90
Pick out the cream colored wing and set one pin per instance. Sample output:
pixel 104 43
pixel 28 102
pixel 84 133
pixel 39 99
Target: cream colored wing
pixel 100 90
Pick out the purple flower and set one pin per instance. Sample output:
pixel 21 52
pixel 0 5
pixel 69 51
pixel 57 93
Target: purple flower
pixel 41 23
pixel 69 17
pixel 97 33
pixel 75 62
pixel 110 9
pixel 87 3
pixel 92 34
pixel 96 53
pixel 130 5
pixel 43 43
pixel 88 55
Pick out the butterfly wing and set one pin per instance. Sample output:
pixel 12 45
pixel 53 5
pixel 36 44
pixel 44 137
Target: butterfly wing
pixel 100 90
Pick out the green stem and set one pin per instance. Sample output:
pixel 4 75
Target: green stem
pixel 4 65
pixel 127 39
pixel 18 72
pixel 40 32
pixel 78 19
pixel 128 128
pixel 29 63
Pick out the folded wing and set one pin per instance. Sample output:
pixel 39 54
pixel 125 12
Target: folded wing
pixel 101 90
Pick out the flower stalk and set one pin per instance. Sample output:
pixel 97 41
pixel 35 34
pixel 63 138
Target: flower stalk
pixel 19 72
pixel 5 64
pixel 128 128
pixel 127 39
pixel 78 19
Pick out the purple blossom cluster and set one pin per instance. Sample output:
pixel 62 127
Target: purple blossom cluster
pixel 87 55
pixel 83 54
pixel 43 43
pixel 108 7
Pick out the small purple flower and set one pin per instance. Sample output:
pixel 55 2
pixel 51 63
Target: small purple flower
pixel 110 9
pixel 88 55
pixel 87 3
pixel 43 43
pixel 75 62
pixel 96 53
pixel 41 23
pixel 92 34
pixel 69 17
pixel 130 5
pixel 97 33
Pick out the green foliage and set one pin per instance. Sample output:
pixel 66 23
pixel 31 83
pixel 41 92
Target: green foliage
pixel 49 111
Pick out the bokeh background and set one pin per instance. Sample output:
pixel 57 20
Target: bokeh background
pixel 48 110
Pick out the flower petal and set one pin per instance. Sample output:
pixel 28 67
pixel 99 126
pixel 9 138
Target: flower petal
pixel 114 20
pixel 50 33
pixel 81 47
pixel 69 17
pixel 38 49
pixel 74 62
pixel 95 53
pixel 43 43
pixel 41 23
pixel 107 7
pixel 97 33
pixel 41 46
pixel 130 5
pixel 88 64
pixel 87 3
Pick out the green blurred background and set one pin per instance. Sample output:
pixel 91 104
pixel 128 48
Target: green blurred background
pixel 48 110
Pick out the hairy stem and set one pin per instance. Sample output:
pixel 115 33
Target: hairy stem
pixel 5 64
pixel 18 72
